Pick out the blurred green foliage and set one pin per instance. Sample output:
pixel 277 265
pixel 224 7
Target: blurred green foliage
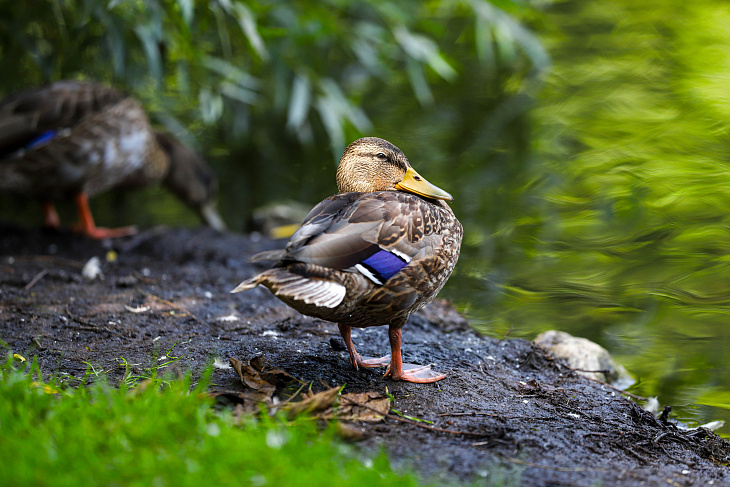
pixel 275 90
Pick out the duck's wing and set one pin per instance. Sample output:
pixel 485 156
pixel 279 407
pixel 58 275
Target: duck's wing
pixel 34 116
pixel 315 223
pixel 376 234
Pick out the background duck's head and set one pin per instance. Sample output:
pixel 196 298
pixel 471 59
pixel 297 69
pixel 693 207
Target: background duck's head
pixel 191 179
pixel 372 164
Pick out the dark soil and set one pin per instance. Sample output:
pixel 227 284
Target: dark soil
pixel 525 415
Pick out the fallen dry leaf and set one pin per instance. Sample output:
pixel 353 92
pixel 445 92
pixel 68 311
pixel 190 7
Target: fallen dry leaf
pixel 251 377
pixel 248 402
pixel 350 409
pixel 314 403
pixel 254 376
pixel 278 377
pixel 258 363
pixel 370 406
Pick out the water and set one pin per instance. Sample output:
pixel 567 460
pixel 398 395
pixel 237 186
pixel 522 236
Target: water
pixel 622 231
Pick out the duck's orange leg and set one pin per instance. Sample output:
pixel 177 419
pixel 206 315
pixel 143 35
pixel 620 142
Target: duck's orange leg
pixel 408 372
pixel 50 215
pixel 87 226
pixel 355 359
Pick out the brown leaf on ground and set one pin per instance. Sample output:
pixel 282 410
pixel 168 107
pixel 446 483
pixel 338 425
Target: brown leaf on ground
pixel 278 377
pixel 248 401
pixel 251 377
pixel 350 409
pixel 254 376
pixel 258 363
pixel 313 403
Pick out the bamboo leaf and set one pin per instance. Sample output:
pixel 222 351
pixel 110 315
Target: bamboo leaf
pixel 211 105
pixel 231 72
pixel 239 93
pixel 248 25
pixel 146 34
pixel 424 50
pixel 301 94
pixel 418 82
pixel 187 9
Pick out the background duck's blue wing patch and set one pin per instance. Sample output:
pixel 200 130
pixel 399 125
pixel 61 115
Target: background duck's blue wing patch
pixel 41 139
pixel 383 265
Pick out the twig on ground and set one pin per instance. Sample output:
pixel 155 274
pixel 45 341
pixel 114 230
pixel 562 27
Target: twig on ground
pixel 506 334
pixel 595 433
pixel 678 460
pixel 633 453
pixel 415 423
pixel 36 279
pixel 601 371
pixel 90 326
pixel 50 259
pixel 472 413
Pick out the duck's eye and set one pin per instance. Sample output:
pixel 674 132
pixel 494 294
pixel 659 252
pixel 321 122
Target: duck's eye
pixel 381 156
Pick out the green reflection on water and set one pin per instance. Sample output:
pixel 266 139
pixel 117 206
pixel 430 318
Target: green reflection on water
pixel 630 243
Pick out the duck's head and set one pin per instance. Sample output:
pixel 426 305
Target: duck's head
pixel 372 164
pixel 191 179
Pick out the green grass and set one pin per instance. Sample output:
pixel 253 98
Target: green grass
pixel 168 433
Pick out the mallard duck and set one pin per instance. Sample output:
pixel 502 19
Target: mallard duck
pixel 374 253
pixel 78 139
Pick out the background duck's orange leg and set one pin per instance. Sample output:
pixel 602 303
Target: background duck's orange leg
pixel 355 359
pixel 50 215
pixel 408 372
pixel 87 226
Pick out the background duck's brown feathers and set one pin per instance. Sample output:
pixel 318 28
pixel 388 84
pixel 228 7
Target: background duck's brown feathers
pixel 75 138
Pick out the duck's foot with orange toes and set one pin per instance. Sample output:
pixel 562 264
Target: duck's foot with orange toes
pixel 85 225
pixel 397 370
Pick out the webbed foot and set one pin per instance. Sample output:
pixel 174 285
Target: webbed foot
pixel 420 374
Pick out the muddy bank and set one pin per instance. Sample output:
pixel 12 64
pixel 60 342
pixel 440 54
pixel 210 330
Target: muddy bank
pixel 520 414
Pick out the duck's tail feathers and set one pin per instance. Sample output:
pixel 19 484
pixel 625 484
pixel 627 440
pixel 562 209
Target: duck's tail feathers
pixel 318 292
pixel 267 255
pixel 310 290
pixel 247 284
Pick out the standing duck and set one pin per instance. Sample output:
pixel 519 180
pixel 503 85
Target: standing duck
pixel 77 139
pixel 374 253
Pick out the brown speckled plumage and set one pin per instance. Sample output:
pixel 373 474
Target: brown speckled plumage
pixel 320 272
pixel 77 138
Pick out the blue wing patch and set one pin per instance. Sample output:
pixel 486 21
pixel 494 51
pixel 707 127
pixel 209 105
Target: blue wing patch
pixel 41 139
pixel 381 266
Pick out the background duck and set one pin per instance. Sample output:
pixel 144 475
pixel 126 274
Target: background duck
pixel 77 139
pixel 371 255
